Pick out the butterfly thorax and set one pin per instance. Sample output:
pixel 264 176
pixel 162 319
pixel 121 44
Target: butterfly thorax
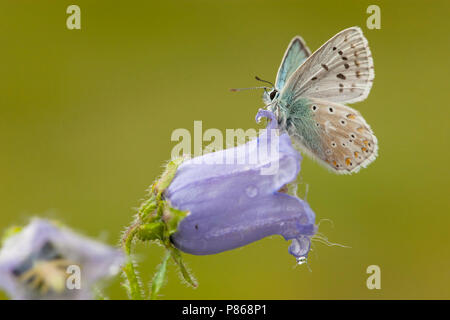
pixel 296 117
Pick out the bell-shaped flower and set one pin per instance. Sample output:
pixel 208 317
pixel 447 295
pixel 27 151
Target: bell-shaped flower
pixel 239 195
pixel 47 261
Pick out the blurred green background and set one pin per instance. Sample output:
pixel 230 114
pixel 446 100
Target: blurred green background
pixel 86 118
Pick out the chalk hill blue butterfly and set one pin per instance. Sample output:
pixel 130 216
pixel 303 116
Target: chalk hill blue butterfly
pixel 309 95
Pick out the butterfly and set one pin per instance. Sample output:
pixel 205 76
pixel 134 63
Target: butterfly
pixel 309 95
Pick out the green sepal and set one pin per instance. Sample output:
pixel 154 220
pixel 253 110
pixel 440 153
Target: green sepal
pixel 172 217
pixel 167 176
pixel 151 231
pixel 148 207
pixel 176 256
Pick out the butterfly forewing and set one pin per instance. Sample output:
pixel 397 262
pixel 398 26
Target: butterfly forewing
pixel 339 71
pixel 295 55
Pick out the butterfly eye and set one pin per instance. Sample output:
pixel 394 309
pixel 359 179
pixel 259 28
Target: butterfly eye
pixel 273 94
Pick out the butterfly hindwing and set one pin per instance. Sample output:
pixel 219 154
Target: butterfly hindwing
pixel 335 134
pixel 339 71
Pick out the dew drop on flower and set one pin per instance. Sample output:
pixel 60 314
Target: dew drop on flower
pixel 301 260
pixel 304 219
pixel 251 191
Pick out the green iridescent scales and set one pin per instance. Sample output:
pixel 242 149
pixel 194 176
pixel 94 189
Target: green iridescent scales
pixel 296 117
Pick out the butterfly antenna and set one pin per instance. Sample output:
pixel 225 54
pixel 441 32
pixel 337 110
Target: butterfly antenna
pixel 240 89
pixel 259 79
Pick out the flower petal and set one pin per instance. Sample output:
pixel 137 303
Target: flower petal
pixel 263 155
pixel 195 182
pixel 211 229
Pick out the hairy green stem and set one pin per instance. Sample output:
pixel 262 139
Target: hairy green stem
pixel 134 286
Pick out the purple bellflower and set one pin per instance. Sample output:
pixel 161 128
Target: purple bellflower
pixel 47 261
pixel 236 196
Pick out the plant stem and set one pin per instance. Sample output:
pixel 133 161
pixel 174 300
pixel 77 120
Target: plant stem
pixel 134 285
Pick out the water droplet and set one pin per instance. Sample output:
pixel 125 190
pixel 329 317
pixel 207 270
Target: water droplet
pixel 301 260
pixel 251 191
pixel 303 219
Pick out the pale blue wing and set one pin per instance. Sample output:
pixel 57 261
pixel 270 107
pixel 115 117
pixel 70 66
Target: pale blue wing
pixel 296 53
